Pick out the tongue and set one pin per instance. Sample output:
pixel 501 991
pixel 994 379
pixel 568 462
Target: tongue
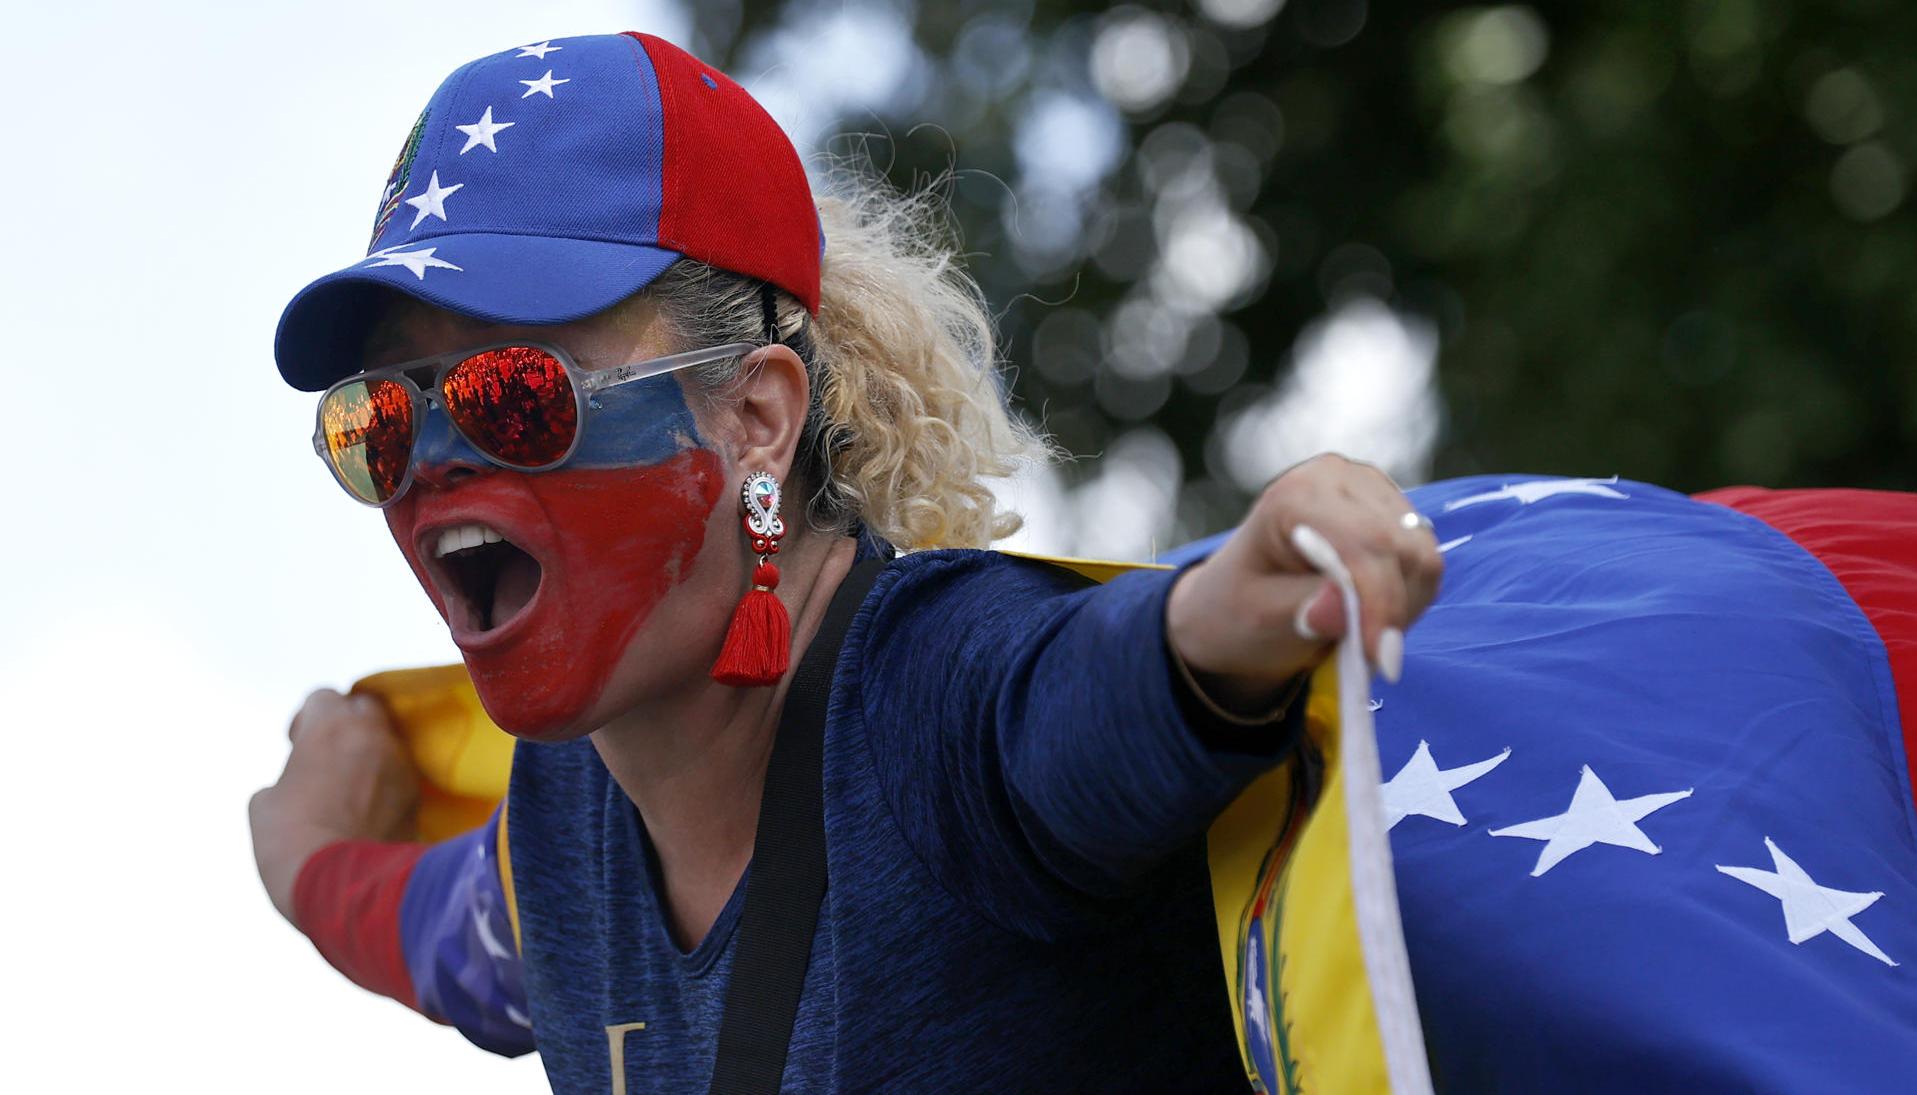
pixel 513 590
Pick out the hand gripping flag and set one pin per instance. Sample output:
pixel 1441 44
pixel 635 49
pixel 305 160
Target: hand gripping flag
pixel 1308 922
pixel 462 757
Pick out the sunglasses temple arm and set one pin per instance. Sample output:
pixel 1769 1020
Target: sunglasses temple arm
pixel 602 379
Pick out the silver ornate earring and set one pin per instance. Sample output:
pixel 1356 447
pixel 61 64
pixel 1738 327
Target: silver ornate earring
pixel 758 645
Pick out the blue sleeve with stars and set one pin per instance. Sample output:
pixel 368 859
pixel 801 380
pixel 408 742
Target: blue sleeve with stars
pixel 457 935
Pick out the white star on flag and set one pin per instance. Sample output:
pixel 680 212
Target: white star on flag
pixel 1257 1016
pixel 1595 817
pixel 540 50
pixel 416 261
pixel 1424 789
pixel 1539 489
pixel 480 133
pixel 489 942
pixel 432 203
pixel 542 86
pixel 1811 910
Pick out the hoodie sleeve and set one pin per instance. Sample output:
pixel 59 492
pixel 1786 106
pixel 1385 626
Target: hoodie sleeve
pixel 1036 743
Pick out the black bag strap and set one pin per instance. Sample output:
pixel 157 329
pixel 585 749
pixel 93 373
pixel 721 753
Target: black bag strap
pixel 787 879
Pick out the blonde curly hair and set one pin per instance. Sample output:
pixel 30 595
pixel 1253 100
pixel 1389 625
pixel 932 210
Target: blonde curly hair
pixel 908 422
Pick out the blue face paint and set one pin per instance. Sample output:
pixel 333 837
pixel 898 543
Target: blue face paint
pixel 641 423
pixel 440 445
pixel 623 427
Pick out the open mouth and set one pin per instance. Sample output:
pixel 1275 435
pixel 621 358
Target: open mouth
pixel 488 581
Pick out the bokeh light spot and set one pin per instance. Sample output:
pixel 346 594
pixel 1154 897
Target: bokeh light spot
pixel 1139 58
pixel 1493 45
pixel 1361 385
pixel 1842 108
pixel 1240 13
pixel 1868 182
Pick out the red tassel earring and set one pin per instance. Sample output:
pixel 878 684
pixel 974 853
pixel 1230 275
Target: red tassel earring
pixel 759 642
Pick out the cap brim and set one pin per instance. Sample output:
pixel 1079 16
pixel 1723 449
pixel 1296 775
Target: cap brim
pixel 495 278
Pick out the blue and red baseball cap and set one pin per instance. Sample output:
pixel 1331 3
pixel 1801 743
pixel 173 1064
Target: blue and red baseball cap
pixel 551 181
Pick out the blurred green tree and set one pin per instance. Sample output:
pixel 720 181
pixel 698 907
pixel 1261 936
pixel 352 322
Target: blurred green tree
pixel 1670 241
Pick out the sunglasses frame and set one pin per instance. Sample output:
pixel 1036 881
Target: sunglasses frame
pixel 586 383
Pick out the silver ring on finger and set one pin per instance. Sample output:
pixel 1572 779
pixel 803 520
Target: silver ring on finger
pixel 1412 521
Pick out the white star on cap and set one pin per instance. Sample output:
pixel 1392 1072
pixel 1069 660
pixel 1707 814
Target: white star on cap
pixel 416 261
pixel 540 50
pixel 1423 789
pixel 1595 817
pixel 480 133
pixel 1811 910
pixel 542 86
pixel 432 203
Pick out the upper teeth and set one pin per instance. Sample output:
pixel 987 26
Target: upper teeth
pixel 461 537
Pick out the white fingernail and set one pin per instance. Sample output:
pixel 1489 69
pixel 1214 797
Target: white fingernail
pixel 1391 654
pixel 1302 625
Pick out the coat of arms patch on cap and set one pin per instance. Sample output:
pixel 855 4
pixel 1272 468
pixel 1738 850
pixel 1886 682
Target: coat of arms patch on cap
pixel 396 182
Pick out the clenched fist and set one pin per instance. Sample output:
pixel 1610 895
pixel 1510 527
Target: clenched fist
pixel 348 778
pixel 1255 614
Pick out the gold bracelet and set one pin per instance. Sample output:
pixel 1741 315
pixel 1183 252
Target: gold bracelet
pixel 1274 715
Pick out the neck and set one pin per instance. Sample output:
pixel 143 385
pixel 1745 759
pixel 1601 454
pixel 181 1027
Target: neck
pixel 694 762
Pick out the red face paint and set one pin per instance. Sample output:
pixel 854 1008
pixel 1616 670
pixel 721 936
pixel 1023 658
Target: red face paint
pixel 610 543
pixel 612 532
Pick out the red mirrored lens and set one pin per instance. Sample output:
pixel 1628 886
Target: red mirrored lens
pixel 516 403
pixel 368 428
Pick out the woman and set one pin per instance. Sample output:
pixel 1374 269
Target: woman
pixel 1017 769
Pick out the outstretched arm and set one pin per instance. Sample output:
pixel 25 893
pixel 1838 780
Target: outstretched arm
pixel 428 925
pixel 1041 743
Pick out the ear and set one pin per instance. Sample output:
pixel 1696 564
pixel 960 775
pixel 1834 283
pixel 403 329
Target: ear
pixel 769 405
